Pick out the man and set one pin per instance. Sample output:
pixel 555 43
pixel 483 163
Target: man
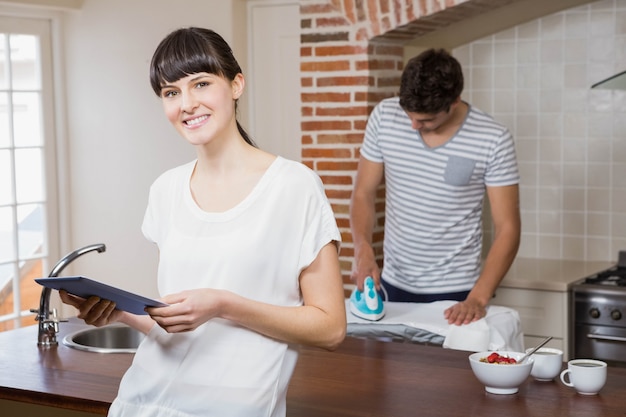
pixel 438 156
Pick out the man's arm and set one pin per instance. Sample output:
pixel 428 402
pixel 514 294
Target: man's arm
pixel 504 202
pixel 362 218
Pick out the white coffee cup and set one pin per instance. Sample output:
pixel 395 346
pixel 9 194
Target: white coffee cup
pixel 548 363
pixel 586 376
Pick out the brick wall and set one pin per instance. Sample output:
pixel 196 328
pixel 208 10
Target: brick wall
pixel 351 58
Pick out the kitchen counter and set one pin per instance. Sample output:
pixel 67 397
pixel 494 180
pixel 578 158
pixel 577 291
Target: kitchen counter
pixel 362 378
pixel 549 274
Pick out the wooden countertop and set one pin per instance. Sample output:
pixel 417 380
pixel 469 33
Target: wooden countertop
pixel 549 274
pixel 362 378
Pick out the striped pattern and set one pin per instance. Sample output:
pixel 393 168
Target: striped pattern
pixel 434 200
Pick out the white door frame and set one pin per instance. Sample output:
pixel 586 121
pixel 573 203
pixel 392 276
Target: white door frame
pixel 289 131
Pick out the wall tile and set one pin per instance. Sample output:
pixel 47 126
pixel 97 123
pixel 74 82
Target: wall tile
pixel 527 52
pixel 552 27
pixel 601 23
pixel 574 223
pixel 574 120
pixel 599 152
pixel 575 77
pixel 573 247
pixel 550 174
pixel 504 79
pixel 550 247
pixel 598 199
pixel 598 224
pixel 550 124
pixel 549 222
pixel 529 246
pixel 529 174
pixel 618 224
pixel 482 78
pixel 576 25
pixel 574 175
pixel 575 50
pixel 483 100
pixel 503 102
pixel 504 53
pixel 482 54
pixel 550 101
pixel 599 248
pixel 601 49
pixel 574 199
pixel 529 221
pixel 550 199
pixel 528 30
pixel 527 149
pixel 550 150
pixel 598 175
pixel 619 174
pixel 527 101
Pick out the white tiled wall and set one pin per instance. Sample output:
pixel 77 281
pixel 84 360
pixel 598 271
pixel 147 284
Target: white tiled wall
pixel 570 139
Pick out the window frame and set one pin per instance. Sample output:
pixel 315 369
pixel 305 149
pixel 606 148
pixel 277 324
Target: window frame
pixel 46 24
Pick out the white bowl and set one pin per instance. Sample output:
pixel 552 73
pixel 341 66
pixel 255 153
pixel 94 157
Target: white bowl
pixel 548 363
pixel 501 378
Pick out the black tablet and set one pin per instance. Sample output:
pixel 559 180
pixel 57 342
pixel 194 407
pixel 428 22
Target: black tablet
pixel 85 287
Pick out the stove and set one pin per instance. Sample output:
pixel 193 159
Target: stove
pixel 598 308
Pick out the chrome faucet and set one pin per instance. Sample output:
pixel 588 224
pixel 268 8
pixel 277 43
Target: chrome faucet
pixel 49 326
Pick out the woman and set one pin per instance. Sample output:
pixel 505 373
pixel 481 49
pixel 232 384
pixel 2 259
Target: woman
pixel 248 256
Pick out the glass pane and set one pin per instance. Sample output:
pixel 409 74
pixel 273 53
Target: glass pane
pixel 29 175
pixel 30 291
pixel 5 132
pixel 4 62
pixel 30 227
pixel 25 65
pixel 27 119
pixel 7 245
pixel 6 177
pixel 6 294
pixel 6 276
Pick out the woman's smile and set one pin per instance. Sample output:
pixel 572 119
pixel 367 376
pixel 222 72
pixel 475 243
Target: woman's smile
pixel 196 121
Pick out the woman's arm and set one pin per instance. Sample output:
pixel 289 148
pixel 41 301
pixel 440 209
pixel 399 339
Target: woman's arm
pixel 320 322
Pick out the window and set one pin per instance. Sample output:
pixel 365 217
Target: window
pixel 27 166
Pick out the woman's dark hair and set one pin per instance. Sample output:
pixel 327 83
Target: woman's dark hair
pixel 431 82
pixel 189 51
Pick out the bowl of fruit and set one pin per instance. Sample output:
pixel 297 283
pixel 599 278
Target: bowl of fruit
pixel 500 372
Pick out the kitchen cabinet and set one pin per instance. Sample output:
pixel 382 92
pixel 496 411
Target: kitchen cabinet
pixel 539 290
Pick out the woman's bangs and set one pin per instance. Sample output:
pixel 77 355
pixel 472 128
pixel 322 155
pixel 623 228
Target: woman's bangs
pixel 179 60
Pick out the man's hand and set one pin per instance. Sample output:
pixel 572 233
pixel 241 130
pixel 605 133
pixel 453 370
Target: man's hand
pixel 465 312
pixel 363 266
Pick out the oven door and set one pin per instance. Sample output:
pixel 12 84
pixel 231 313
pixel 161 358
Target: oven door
pixel 605 343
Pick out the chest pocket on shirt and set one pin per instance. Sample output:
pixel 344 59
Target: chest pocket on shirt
pixel 459 170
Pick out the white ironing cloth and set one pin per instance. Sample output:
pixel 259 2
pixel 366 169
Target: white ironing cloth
pixel 499 330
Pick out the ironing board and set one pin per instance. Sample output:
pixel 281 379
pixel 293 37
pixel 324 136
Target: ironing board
pixel 424 323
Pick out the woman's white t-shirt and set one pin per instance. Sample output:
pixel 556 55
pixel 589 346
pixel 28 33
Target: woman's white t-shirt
pixel 257 249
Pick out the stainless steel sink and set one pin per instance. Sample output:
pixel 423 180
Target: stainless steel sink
pixel 108 339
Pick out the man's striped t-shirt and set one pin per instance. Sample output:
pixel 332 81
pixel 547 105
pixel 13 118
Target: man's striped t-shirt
pixel 434 196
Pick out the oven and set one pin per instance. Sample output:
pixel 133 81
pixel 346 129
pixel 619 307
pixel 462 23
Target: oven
pixel 598 309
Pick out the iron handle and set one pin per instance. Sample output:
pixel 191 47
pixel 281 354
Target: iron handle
pixel 603 337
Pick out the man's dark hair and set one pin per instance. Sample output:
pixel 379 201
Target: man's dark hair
pixel 431 82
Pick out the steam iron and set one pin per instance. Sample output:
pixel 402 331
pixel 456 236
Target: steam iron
pixel 368 304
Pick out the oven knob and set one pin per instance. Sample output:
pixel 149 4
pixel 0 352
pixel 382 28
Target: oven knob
pixel 594 313
pixel 616 314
